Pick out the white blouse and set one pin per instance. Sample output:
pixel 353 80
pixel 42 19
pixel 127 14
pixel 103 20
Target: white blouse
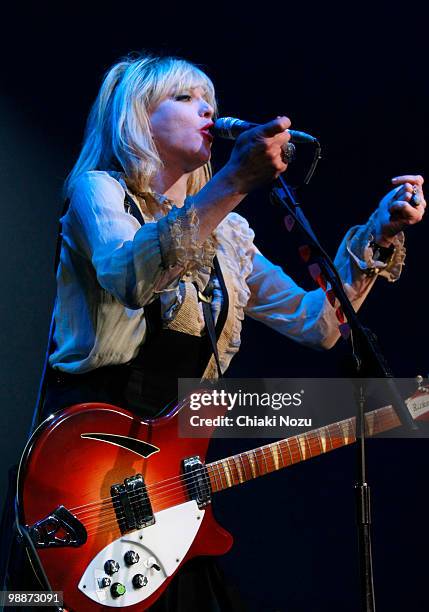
pixel 111 267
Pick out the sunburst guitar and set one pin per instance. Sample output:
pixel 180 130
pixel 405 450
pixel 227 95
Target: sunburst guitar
pixel 115 505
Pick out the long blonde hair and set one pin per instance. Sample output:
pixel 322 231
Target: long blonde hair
pixel 118 134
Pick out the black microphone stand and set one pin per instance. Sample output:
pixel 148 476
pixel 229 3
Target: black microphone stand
pixel 367 361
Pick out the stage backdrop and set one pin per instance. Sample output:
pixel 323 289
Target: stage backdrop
pixel 355 77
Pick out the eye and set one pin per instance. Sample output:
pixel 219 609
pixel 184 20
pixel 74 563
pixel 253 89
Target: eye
pixel 183 97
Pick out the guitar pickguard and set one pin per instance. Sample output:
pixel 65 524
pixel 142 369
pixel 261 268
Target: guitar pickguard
pixel 159 548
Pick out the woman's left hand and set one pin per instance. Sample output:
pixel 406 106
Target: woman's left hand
pixel 403 206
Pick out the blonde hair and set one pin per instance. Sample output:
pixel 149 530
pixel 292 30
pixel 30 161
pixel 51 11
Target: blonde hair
pixel 118 134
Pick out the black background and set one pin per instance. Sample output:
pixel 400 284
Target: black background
pixel 354 75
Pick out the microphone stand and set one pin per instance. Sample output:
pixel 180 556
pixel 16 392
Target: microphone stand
pixel 367 361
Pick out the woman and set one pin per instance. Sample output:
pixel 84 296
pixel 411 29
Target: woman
pixel 148 141
pixel 148 237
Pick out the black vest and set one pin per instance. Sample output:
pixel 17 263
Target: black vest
pixel 147 384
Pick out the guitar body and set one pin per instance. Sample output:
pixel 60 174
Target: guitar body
pixel 72 460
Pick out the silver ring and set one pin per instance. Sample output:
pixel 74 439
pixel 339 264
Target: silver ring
pixel 415 200
pixel 288 152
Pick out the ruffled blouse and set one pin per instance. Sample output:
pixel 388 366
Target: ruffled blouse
pixel 111 267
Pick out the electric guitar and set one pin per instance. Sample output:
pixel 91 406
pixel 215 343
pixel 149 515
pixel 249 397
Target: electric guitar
pixel 115 504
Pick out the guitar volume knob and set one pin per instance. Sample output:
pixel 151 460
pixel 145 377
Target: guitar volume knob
pixel 111 567
pixel 131 557
pixel 139 581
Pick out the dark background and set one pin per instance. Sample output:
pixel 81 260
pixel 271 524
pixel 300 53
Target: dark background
pixel 355 76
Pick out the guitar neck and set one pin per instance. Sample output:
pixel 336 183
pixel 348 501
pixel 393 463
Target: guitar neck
pixel 235 470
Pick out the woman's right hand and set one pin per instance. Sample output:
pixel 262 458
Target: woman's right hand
pixel 257 157
pixel 255 160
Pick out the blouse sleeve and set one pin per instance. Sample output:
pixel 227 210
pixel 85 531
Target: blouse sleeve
pixel 132 262
pixel 307 316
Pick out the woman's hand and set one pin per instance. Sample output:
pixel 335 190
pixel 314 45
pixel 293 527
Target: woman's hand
pixel 396 212
pixel 258 155
pixel 257 158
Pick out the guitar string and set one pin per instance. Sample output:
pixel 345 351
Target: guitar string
pixel 163 500
pixel 109 524
pixel 286 442
pixel 267 470
pixel 171 499
pixel 297 453
pixel 106 525
pixel 261 452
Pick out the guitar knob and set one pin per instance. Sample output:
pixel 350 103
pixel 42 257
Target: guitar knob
pixel 131 557
pixel 139 581
pixel 111 567
pixel 117 589
pixel 104 582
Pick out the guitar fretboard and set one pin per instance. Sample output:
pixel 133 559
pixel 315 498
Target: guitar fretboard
pixel 251 464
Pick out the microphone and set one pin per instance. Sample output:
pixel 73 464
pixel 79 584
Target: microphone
pixel 231 128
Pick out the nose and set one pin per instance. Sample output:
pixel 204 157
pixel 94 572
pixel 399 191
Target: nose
pixel 206 110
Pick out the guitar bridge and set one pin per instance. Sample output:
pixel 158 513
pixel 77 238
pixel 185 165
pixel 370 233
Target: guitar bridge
pixel 131 503
pixel 197 481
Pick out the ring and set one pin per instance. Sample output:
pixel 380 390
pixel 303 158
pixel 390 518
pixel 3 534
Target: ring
pixel 288 153
pixel 415 200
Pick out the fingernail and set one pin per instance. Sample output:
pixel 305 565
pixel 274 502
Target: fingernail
pixel 395 179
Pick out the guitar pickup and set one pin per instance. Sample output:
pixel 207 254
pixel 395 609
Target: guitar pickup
pixel 197 481
pixel 132 505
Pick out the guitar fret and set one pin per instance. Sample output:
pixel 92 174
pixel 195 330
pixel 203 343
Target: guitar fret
pixel 301 446
pixel 233 469
pixel 329 434
pixel 322 440
pixel 244 467
pixel 251 463
pixel 298 446
pixel 352 429
pixel 220 474
pixel 290 453
pixel 212 478
pixel 256 462
pixel 345 431
pixel 274 454
pixel 280 454
pixel 227 473
pixel 339 435
pixel 369 423
pixel 241 478
pixel 265 460
pixel 207 479
pixel 308 443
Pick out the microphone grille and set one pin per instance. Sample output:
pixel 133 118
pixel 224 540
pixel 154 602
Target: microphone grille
pixel 224 127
